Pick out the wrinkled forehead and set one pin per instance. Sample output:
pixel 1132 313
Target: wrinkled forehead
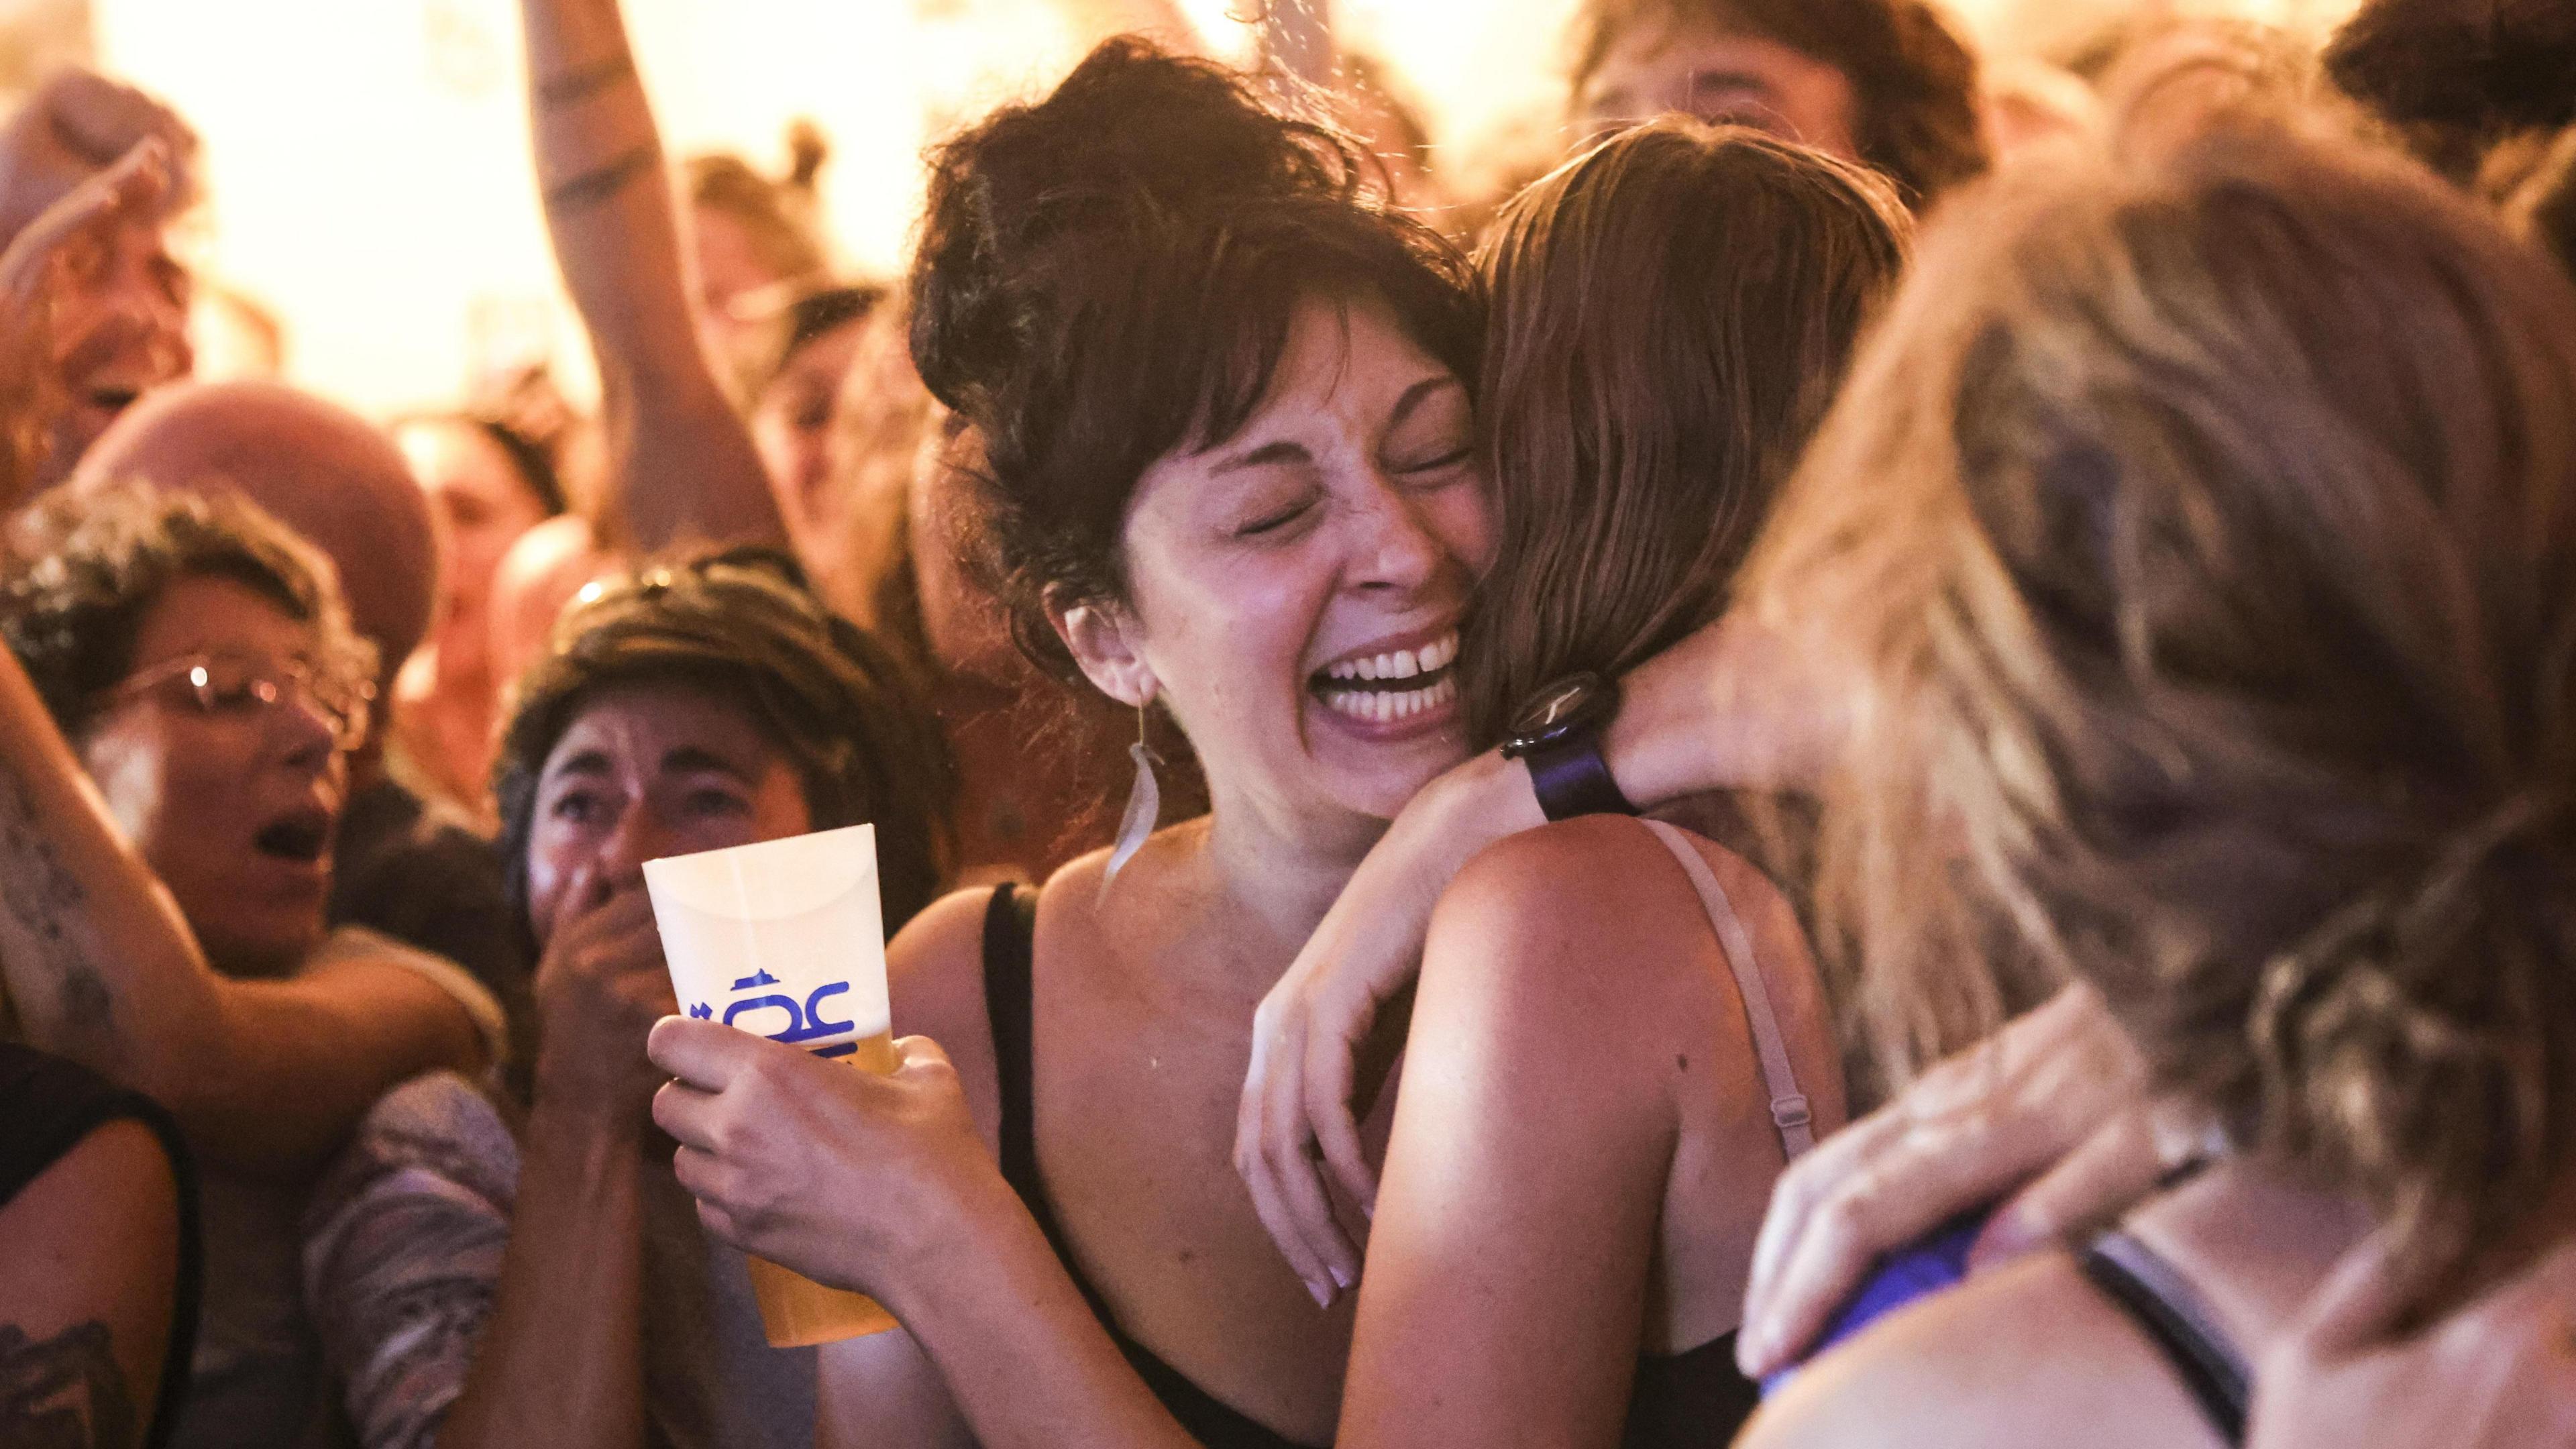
pixel 645 730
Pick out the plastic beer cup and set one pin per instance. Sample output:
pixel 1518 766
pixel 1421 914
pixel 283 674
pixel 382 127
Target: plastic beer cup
pixel 786 939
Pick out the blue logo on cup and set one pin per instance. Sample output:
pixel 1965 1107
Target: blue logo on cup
pixel 793 1023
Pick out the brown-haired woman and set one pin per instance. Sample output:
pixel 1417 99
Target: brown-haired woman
pixel 2201 533
pixel 1885 82
pixel 1223 398
pixel 1561 1244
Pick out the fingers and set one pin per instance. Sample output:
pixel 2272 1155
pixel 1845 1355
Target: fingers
pixel 2112 1171
pixel 688 1115
pixel 1871 1189
pixel 135 184
pixel 2357 1304
pixel 703 1054
pixel 920 1053
pixel 1326 1109
pixel 1269 1154
pixel 96 118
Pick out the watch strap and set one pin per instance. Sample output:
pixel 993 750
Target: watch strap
pixel 1571 778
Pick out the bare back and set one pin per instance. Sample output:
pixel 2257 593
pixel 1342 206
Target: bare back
pixel 1584 1145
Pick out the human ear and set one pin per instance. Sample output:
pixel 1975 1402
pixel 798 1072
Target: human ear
pixel 1103 637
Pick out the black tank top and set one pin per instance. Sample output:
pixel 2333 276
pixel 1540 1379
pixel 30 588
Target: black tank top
pixel 48 1105
pixel 1694 1399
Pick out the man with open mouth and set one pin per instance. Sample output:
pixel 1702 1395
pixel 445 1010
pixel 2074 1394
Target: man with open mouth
pixel 118 304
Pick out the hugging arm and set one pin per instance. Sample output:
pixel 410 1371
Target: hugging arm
pixel 1726 708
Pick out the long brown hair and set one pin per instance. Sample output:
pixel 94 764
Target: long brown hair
pixel 1671 313
pixel 2202 532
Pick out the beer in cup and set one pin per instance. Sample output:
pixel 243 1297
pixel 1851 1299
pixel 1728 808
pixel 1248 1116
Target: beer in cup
pixel 785 939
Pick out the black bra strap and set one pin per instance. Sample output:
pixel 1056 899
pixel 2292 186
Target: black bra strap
pixel 2157 1298
pixel 1010 933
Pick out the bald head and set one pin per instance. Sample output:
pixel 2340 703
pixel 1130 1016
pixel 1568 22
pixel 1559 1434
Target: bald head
pixel 322 470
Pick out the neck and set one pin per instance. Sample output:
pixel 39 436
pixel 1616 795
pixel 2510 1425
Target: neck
pixel 1282 869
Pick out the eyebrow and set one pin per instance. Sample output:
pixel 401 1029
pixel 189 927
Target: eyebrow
pixel 588 762
pixel 1288 452
pixel 690 760
pixel 1265 455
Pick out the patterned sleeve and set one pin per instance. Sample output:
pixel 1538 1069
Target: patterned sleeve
pixel 402 1255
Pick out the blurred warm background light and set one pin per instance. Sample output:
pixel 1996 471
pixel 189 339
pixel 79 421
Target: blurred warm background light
pixel 367 162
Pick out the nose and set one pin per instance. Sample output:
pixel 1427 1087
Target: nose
pixel 308 737
pixel 637 837
pixel 1401 551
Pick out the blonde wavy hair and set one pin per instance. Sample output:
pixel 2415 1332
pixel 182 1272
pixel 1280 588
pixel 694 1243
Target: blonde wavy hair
pixel 2201 531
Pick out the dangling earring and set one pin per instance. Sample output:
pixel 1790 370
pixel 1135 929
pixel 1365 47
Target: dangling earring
pixel 1144 804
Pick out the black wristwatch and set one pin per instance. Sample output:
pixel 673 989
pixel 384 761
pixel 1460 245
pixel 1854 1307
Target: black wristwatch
pixel 1558 733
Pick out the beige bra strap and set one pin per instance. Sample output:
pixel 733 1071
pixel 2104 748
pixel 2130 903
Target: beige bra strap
pixel 1788 1105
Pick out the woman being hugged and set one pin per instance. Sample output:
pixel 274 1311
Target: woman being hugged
pixel 1619 1036
pixel 2201 532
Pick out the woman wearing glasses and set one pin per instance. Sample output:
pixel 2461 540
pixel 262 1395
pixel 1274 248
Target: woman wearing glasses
pixel 193 660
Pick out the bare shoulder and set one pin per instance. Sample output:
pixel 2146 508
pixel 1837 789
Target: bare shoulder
pixel 935 966
pixel 2028 1355
pixel 1602 890
pixel 935 985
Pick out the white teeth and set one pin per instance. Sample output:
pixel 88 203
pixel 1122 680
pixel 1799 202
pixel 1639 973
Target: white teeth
pixel 1402 664
pixel 1374 706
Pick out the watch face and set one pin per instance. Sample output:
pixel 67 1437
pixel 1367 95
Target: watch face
pixel 1552 708
pixel 1558 708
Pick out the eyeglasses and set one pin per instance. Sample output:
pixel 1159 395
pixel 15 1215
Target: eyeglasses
pixel 239 684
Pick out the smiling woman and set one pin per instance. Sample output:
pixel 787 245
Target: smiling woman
pixel 1228 468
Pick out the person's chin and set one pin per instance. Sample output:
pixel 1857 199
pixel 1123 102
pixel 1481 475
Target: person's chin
pixel 1399 756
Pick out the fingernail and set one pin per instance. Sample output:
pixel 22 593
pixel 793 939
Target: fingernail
pixel 2008 1236
pixel 1323 1295
pixel 1343 1277
pixel 1753 1350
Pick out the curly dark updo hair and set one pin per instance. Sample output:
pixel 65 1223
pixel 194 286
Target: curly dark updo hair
pixel 1110 274
pixel 742 626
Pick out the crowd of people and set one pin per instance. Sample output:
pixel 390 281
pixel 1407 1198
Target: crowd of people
pixel 2066 570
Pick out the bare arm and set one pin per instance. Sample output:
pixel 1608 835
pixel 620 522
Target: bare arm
pixel 562 1359
pixel 681 464
pixel 89 1257
pixel 1725 708
pixel 1504 1297
pixel 101 968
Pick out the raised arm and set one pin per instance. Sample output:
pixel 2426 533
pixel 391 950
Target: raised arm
pixel 681 464
pixel 101 968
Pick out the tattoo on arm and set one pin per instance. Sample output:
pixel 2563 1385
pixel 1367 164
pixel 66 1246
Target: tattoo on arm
pixel 40 893
pixel 600 183
pixel 64 1393
pixel 582 82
